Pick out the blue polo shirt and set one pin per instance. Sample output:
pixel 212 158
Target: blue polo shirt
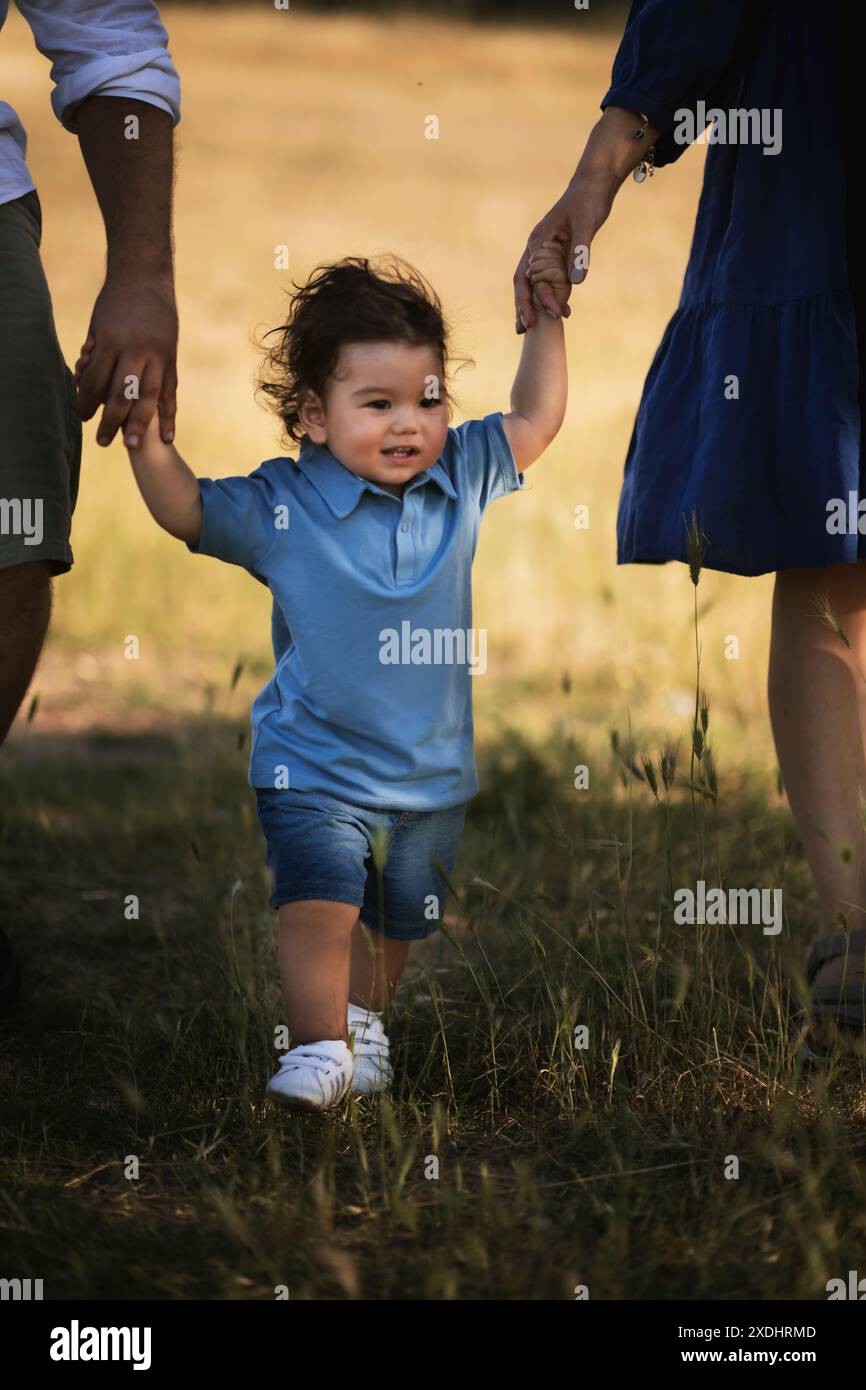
pixel 374 650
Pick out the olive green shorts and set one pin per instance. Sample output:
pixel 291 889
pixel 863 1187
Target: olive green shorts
pixel 40 431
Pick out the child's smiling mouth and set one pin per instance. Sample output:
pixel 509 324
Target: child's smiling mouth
pixel 404 451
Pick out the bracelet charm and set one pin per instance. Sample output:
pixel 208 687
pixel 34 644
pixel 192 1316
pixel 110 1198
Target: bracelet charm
pixel 647 164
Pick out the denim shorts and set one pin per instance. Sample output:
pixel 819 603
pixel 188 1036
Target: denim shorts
pixel 320 847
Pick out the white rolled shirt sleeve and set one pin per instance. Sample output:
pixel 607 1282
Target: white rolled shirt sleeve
pixel 116 48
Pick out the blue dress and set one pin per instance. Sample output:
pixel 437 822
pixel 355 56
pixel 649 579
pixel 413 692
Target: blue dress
pixel 773 294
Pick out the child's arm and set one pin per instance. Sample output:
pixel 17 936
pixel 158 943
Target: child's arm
pixel 169 488
pixel 540 390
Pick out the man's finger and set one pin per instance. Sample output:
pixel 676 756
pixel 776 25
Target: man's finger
pixel 142 408
pixel 84 356
pixel 93 382
pixel 168 405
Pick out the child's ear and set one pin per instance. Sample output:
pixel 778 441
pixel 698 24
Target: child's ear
pixel 311 414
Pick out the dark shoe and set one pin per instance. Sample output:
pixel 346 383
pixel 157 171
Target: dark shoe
pixel 837 1011
pixel 10 977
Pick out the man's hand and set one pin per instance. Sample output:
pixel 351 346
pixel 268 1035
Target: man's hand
pixel 131 344
pixel 129 359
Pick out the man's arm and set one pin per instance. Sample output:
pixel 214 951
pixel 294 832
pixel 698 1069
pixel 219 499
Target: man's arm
pixel 116 87
pixel 133 327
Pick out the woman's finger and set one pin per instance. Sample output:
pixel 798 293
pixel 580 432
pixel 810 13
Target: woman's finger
pixel 525 316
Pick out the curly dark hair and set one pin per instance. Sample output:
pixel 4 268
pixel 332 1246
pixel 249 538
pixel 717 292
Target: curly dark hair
pixel 347 301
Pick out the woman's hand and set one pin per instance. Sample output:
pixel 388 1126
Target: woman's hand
pixel 570 226
pixel 610 155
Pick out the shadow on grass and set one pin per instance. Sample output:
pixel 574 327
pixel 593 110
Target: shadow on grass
pixel 587 1092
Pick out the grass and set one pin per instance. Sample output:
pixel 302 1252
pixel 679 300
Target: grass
pixel 558 1166
pixel 151 1038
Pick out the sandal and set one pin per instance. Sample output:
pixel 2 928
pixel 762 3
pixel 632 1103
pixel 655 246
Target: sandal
pixel 839 1004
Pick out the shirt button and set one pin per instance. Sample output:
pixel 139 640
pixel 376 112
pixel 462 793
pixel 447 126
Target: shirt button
pixel 404 526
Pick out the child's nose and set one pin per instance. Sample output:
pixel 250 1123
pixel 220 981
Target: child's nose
pixel 407 422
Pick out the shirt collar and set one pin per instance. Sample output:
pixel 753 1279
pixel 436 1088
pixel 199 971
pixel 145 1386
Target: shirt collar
pixel 342 489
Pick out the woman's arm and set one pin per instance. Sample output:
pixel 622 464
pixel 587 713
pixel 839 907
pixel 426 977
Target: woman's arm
pixel 610 155
pixel 673 54
pixel 167 485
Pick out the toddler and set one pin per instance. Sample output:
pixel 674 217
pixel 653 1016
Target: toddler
pixel 362 754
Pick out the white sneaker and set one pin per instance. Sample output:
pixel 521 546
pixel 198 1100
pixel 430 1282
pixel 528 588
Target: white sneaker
pixel 313 1076
pixel 372 1070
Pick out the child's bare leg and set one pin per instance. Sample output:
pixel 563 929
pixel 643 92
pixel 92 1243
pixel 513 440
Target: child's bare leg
pixel 374 977
pixel 314 953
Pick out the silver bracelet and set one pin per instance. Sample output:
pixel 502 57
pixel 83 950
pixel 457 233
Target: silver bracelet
pixel 647 164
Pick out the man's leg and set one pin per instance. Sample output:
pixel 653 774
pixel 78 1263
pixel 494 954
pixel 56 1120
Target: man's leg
pixel 40 456
pixel 25 608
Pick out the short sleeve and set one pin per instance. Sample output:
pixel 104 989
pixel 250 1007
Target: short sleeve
pixel 675 53
pixel 489 462
pixel 239 520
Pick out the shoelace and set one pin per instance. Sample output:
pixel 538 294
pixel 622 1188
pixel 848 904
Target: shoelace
pixel 334 1075
pixel 370 1043
pixel 307 1058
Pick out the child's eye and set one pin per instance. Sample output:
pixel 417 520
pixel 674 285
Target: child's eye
pixel 427 401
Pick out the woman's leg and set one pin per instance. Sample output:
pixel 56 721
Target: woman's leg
pixel 817 701
pixel 374 977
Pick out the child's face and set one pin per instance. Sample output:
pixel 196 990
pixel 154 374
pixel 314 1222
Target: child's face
pixel 382 397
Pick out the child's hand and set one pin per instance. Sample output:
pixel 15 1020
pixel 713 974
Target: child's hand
pixel 150 442
pixel 548 264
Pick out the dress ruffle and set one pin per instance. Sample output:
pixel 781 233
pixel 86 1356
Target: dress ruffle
pixel 748 420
